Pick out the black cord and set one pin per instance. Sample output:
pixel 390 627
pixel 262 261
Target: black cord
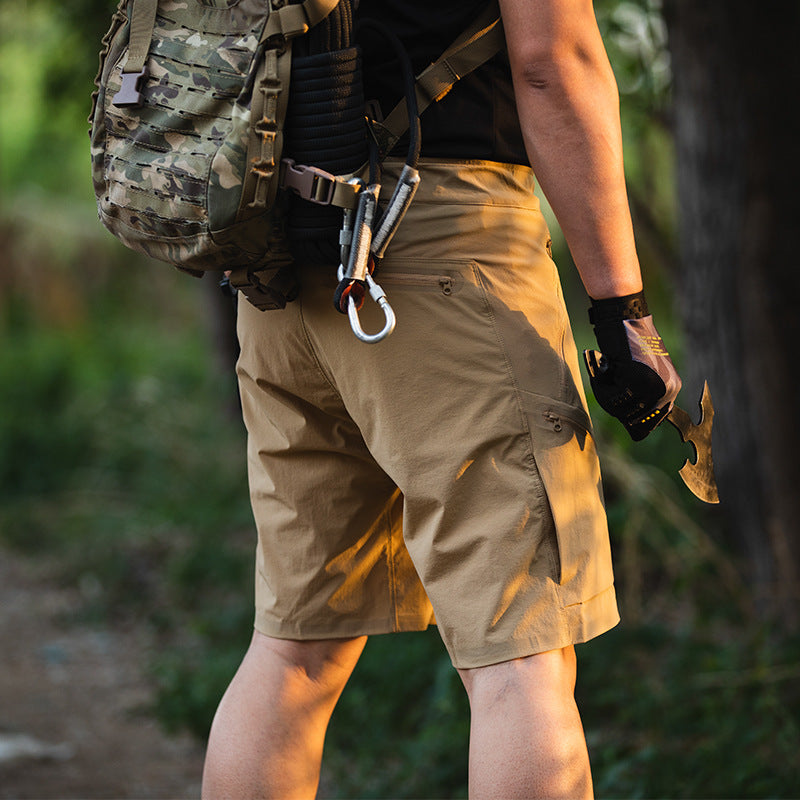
pixel 409 86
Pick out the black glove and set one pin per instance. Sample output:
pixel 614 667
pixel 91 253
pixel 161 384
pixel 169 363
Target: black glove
pixel 633 377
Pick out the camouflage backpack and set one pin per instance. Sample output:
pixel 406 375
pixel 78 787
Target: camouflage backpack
pixel 187 133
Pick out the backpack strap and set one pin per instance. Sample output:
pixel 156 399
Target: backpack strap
pixel 296 19
pixel 143 20
pixel 483 39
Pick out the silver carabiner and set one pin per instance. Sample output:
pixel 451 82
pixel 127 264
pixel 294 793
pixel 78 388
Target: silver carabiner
pixel 355 239
pixel 379 296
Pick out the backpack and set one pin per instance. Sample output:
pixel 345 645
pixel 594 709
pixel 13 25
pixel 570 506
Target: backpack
pixel 188 128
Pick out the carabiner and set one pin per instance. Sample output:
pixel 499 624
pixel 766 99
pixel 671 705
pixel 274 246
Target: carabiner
pixel 403 194
pixel 379 296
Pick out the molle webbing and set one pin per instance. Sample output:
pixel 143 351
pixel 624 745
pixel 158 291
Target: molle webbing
pixel 286 22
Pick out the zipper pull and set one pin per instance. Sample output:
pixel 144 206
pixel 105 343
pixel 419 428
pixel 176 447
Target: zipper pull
pixel 446 282
pixel 554 420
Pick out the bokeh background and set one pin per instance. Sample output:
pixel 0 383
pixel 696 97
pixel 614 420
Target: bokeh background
pixel 122 468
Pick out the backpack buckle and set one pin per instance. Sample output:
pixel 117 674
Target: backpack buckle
pixel 311 183
pixel 266 289
pixel 130 93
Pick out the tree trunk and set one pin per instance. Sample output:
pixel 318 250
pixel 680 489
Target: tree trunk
pixel 737 134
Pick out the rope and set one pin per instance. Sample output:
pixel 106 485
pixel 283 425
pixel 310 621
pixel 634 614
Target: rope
pixel 324 127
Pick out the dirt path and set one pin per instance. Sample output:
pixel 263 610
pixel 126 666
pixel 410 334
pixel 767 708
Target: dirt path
pixel 70 700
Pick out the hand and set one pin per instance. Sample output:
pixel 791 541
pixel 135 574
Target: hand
pixel 633 378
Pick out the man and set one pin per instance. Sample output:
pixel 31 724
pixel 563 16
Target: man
pixel 450 469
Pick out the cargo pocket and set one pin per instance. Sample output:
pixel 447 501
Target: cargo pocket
pixel 565 455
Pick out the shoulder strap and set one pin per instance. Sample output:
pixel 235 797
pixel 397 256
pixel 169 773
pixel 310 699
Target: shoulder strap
pixel 475 46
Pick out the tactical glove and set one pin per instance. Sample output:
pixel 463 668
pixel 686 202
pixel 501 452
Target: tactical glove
pixel 633 377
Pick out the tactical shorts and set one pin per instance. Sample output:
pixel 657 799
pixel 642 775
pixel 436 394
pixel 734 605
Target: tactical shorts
pixel 450 468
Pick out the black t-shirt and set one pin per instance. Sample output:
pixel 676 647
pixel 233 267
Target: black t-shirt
pixel 478 118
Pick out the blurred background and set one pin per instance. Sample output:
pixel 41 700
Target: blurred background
pixel 122 466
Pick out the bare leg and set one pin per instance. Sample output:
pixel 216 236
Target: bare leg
pixel 267 736
pixel 526 738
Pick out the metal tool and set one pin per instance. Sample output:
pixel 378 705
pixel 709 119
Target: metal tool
pixel 698 475
pixel 379 296
pixel 355 240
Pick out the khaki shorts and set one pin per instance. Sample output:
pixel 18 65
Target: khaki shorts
pixel 450 468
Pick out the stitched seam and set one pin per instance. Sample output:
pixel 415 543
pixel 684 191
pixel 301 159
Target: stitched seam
pixel 563 366
pixel 565 372
pixel 393 610
pixel 510 373
pixel 313 351
pixel 590 599
pixel 530 462
pixel 487 201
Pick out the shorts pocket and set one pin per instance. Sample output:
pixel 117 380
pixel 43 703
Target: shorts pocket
pixel 566 458
pixel 441 277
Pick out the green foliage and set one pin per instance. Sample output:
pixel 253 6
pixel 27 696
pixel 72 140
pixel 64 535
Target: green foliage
pixel 636 39
pixel 48 60
pixel 704 715
pixel 118 451
pixel 402 725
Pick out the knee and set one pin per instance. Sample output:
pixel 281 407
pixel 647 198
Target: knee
pixel 317 668
pixel 526 735
pixel 551 673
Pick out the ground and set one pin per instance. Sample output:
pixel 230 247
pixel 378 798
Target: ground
pixel 72 695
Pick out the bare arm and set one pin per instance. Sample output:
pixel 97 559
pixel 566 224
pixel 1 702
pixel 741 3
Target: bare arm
pixel 568 105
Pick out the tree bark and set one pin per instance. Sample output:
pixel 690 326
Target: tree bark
pixel 737 135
